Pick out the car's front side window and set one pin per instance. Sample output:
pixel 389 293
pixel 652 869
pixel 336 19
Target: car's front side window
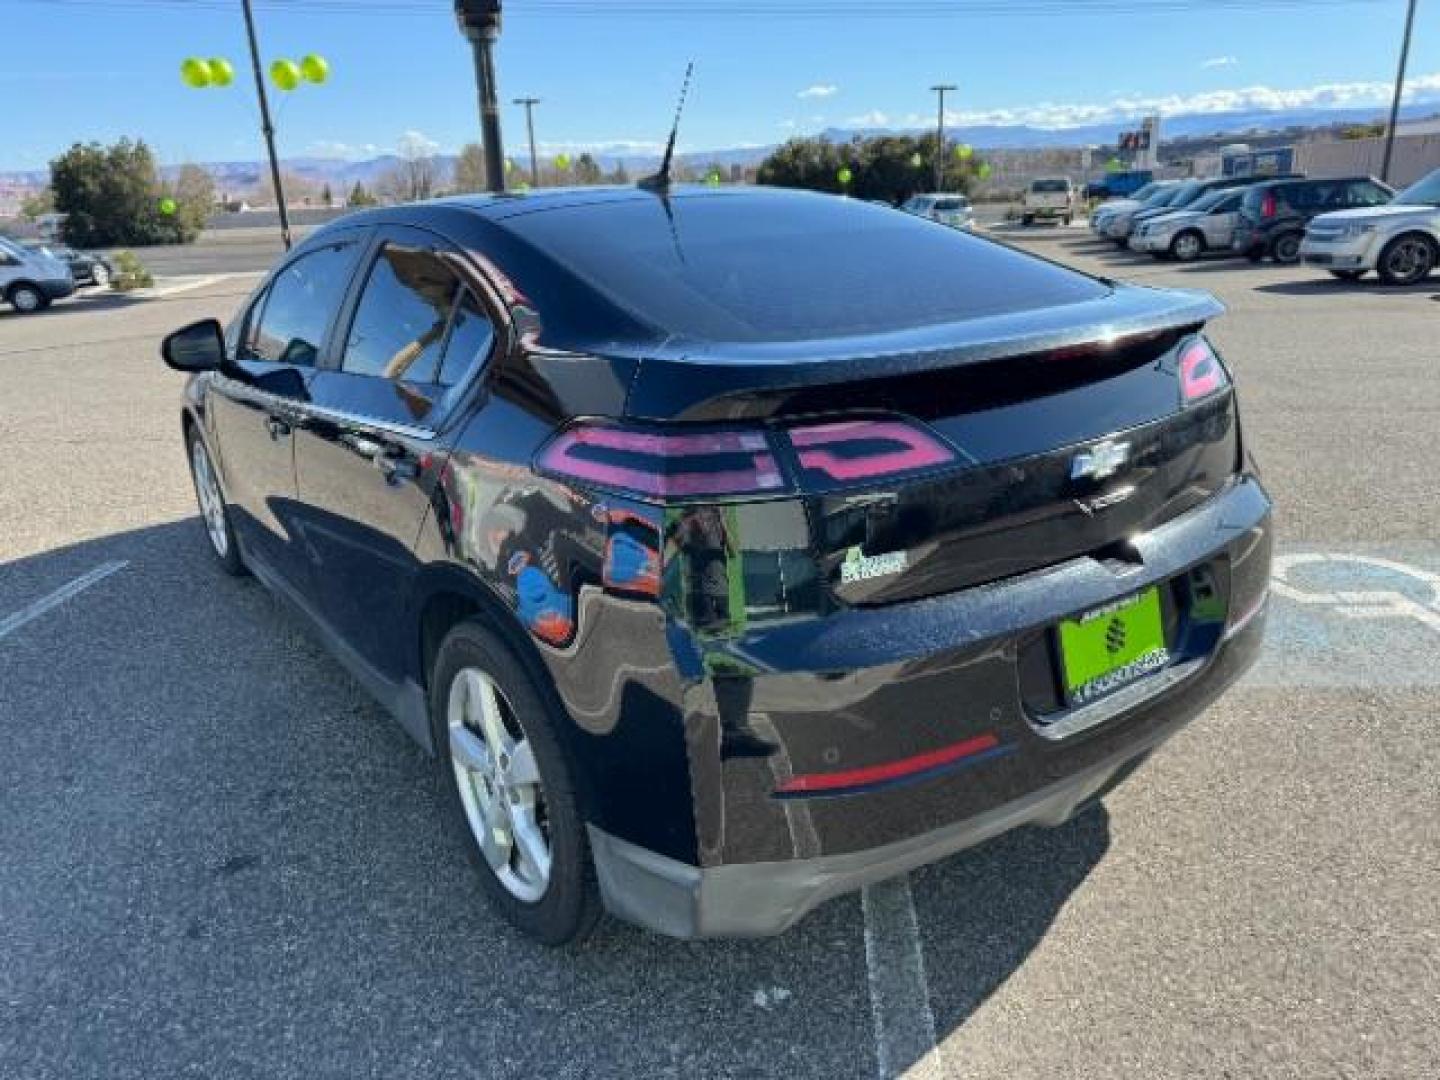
pixel 299 307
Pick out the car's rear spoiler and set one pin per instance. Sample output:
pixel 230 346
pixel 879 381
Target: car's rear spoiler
pixel 709 380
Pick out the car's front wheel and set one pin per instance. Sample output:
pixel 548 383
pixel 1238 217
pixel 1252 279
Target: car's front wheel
pixel 511 787
pixel 1406 260
pixel 27 299
pixel 1187 247
pixel 214 514
pixel 100 275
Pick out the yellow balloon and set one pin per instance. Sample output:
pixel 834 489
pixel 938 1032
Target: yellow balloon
pixel 562 161
pixel 221 73
pixel 964 152
pixel 195 73
pixel 285 74
pixel 315 68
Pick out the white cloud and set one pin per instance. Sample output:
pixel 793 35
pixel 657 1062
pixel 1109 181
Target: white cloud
pixel 600 146
pixel 787 125
pixel 334 148
pixel 1420 89
pixel 416 144
pixel 1219 62
pixel 873 118
pixel 819 90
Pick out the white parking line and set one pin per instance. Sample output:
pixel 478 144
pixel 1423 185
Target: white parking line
pixel 899 995
pixel 28 614
pixel 187 286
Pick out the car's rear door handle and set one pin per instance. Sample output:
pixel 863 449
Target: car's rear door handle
pixel 277 428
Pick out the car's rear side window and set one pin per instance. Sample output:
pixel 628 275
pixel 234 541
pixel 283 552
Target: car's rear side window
pixel 750 268
pixel 299 306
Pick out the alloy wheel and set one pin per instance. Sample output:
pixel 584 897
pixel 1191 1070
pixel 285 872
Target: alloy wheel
pixel 1186 247
pixel 26 299
pixel 500 786
pixel 100 275
pixel 1408 260
pixel 207 492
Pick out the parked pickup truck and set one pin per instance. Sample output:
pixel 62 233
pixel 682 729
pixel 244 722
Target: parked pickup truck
pixel 1051 198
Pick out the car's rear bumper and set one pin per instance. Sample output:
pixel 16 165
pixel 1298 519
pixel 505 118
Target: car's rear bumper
pixel 912 683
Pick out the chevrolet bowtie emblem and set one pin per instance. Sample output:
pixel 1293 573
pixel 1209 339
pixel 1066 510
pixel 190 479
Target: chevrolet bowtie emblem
pixel 1102 460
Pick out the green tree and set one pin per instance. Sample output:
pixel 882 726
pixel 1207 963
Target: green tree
pixel 470 169
pixel 887 167
pixel 326 195
pixel 621 175
pixel 360 197
pixel 40 202
pixel 587 170
pixel 194 195
pixel 109 194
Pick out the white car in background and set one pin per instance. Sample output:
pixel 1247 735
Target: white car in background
pixel 1207 224
pixel 1399 240
pixel 952 210
pixel 1049 198
pixel 31 280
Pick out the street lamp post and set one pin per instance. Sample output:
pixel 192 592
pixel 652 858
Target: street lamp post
pixel 480 22
pixel 266 127
pixel 530 103
pixel 940 136
pixel 1399 90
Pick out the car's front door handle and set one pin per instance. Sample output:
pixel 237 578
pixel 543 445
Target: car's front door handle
pixel 277 428
pixel 394 468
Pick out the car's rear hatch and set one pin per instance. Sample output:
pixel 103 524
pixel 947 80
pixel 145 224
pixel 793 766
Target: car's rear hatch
pixel 1067 432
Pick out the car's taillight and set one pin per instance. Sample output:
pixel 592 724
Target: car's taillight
pixel 1267 205
pixel 856 451
pixel 664 465
pixel 1201 373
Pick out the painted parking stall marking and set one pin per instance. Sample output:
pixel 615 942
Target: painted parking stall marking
pixel 68 591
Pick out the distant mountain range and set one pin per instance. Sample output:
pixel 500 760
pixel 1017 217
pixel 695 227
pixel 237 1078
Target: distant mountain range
pixel 238 177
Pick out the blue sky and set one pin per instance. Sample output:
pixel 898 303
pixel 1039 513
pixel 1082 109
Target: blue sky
pixel 97 69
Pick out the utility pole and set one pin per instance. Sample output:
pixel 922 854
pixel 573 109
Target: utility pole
pixel 266 126
pixel 530 103
pixel 480 22
pixel 1399 89
pixel 940 137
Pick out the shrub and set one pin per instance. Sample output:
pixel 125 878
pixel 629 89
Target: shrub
pixel 130 273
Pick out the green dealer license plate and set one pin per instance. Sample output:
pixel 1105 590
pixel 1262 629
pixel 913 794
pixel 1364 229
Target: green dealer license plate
pixel 1110 647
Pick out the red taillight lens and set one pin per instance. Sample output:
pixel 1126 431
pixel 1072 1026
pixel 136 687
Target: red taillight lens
pixel 662 465
pixel 668 466
pixel 1267 205
pixel 1201 373
pixel 858 450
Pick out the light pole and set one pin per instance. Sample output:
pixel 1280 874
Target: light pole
pixel 1399 89
pixel 940 136
pixel 266 126
pixel 530 103
pixel 480 22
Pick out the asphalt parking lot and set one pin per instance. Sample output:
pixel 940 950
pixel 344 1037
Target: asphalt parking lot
pixel 218 858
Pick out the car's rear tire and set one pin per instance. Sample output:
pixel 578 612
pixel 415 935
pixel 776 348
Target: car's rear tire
pixel 1027 220
pixel 214 513
pixel 1187 246
pixel 1285 248
pixel 1348 275
pixel 1407 260
pixel 510 786
pixel 26 298
pixel 1255 254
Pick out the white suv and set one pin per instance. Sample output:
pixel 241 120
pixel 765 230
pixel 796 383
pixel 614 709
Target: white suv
pixel 1399 240
pixel 1051 198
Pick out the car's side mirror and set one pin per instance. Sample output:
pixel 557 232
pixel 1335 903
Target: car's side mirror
pixel 197 347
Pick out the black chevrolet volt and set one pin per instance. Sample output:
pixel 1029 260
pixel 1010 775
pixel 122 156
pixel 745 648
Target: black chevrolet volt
pixel 733 548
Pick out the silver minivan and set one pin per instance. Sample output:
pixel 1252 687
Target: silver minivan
pixel 31 280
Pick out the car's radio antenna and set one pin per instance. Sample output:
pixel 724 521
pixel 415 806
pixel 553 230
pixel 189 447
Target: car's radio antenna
pixel 661 180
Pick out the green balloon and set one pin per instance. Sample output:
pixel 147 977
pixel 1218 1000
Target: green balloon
pixel 1114 165
pixel 562 161
pixel 221 73
pixel 285 74
pixel 314 68
pixel 713 179
pixel 964 152
pixel 845 176
pixel 168 206
pixel 195 73
pixel 916 159
pixel 983 171
pixel 509 164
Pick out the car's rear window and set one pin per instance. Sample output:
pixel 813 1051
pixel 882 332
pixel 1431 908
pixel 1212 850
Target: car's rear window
pixel 1049 185
pixel 749 268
